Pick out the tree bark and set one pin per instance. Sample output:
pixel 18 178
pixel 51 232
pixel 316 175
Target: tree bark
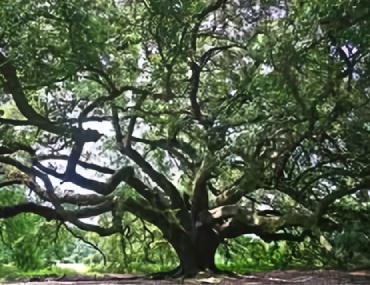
pixel 206 242
pixel 196 250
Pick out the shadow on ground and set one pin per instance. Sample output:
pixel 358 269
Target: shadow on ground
pixel 267 278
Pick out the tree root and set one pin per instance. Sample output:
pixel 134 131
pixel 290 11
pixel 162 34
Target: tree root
pixel 225 273
pixel 174 273
pixel 178 272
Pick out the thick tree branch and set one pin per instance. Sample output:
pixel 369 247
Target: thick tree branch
pixel 237 228
pixel 200 192
pixel 79 180
pixel 76 199
pixel 14 86
pixel 116 125
pixel 164 112
pixel 49 213
pixel 92 166
pixel 90 119
pixel 194 81
pixel 30 207
pixel 138 207
pixel 98 187
pixel 15 147
pixel 125 174
pixel 337 194
pixel 10 161
pixel 157 177
pixel 73 160
pixel 5 150
pixel 71 198
pixel 195 78
pixel 90 184
pixel 17 122
pixel 228 197
pixel 153 196
pixel 131 126
pixel 243 220
pixel 195 68
pixel 71 216
pixel 11 183
pixel 130 130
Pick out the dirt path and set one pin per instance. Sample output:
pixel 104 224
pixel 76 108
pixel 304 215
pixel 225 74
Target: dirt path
pixel 268 278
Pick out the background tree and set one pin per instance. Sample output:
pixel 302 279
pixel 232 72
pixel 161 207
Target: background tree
pixel 242 99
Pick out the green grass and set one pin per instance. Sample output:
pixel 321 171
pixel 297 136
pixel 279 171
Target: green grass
pixel 10 272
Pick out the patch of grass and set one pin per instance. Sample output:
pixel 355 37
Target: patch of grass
pixel 132 268
pixel 11 272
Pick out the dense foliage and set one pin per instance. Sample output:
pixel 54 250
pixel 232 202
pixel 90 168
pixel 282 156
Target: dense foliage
pixel 184 117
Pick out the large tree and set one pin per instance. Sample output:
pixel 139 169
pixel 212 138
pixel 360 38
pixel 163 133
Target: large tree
pixel 242 99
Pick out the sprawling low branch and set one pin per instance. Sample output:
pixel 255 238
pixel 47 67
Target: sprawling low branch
pixel 70 216
pixel 71 198
pixel 266 224
pixel 125 174
pixel 138 207
pixel 30 207
pixel 49 213
pixel 237 228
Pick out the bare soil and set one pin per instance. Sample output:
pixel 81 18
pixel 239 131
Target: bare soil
pixel 329 277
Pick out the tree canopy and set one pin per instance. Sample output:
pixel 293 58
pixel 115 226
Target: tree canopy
pixel 188 115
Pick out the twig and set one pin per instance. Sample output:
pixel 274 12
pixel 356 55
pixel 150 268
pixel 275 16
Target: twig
pixel 85 241
pixel 57 231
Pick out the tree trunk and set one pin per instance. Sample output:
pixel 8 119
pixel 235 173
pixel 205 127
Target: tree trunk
pixel 206 242
pixel 196 251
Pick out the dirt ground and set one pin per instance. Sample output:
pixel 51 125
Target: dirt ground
pixel 267 278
